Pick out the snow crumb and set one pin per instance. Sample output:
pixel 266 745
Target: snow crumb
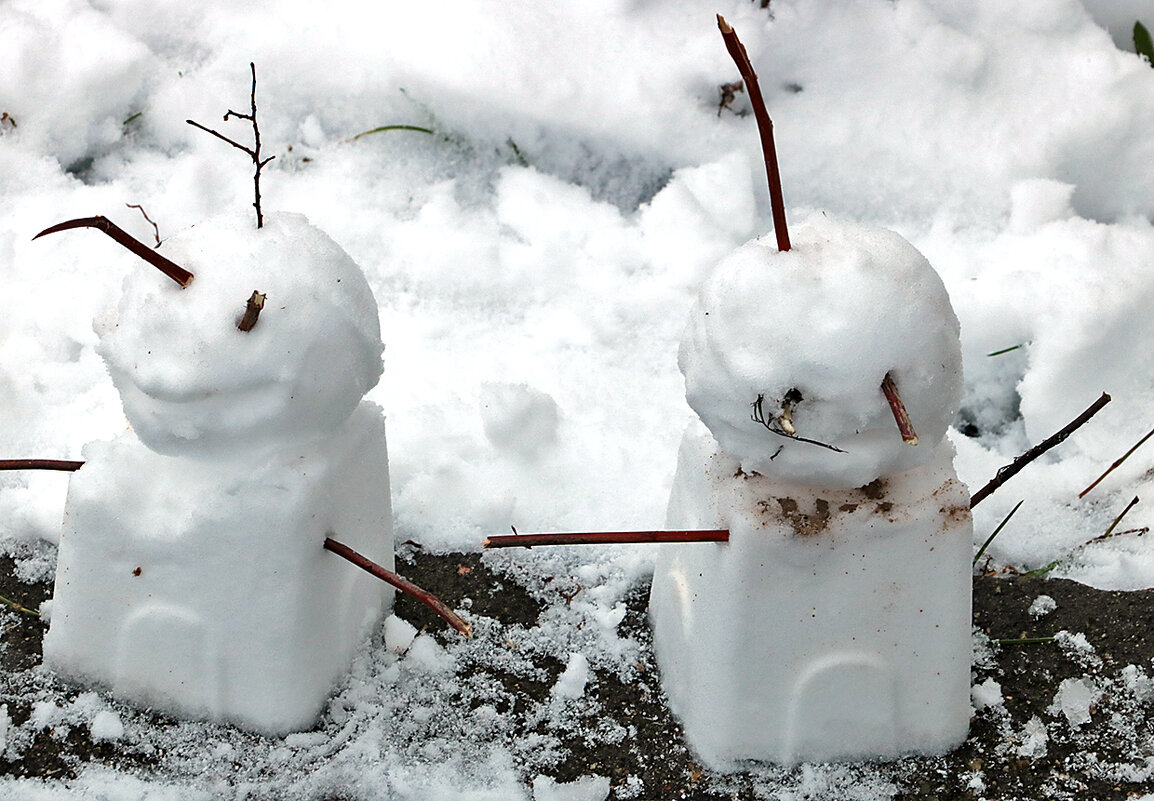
pixel 1078 648
pixel 106 725
pixel 571 683
pixel 1042 605
pixel 5 723
pixel 986 694
pixel 399 634
pixel 587 788
pixel 44 714
pixel 1075 699
pixel 1033 739
pixel 427 656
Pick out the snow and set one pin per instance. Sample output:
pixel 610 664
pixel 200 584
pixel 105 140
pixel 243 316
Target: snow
pixel 532 314
pixel 1042 606
pixel 1075 700
pixel 986 694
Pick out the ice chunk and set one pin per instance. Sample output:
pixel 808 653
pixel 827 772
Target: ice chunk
pixel 192 383
pixel 834 624
pixel 1075 700
pixel 587 788
pixel 203 588
pixel 815 330
pixel 1042 606
pixel 1033 739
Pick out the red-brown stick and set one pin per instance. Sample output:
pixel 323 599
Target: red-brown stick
pixel 1117 464
pixel 905 426
pixel 169 268
pixel 604 538
pixel 1007 472
pixel 401 583
pixel 764 126
pixel 40 464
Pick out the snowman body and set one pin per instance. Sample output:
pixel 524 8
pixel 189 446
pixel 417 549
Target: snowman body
pixel 835 622
pixel 192 576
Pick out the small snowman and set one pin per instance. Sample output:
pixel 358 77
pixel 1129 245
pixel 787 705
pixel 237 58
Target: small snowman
pixel 835 622
pixel 192 574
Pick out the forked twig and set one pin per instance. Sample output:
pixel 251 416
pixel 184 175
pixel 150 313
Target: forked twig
pixel 604 538
pixel 155 227
pixel 765 128
pixel 401 583
pixel 758 416
pixel 1007 472
pixel 121 237
pixel 254 151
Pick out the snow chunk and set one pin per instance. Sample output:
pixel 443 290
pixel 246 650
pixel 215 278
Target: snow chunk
pixel 1042 605
pixel 1075 700
pixel 587 788
pixel 106 725
pixel 518 418
pixel 571 682
pixel 986 694
pixel 816 329
pixel 399 634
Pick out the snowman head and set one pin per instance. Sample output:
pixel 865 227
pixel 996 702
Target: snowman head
pixel 785 355
pixel 192 383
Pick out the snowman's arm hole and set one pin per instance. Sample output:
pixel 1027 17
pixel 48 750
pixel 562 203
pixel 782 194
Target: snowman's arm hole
pixel 758 416
pixel 401 583
pixel 121 237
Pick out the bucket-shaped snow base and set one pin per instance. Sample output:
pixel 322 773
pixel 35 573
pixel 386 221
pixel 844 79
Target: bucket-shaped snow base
pixel 834 624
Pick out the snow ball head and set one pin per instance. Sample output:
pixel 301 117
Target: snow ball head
pixel 812 332
pixel 193 384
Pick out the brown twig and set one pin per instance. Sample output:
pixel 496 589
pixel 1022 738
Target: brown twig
pixel 401 583
pixel 121 237
pixel 905 426
pixel 604 538
pixel 1007 472
pixel 40 464
pixel 155 227
pixel 1116 464
pixel 758 416
pixel 252 311
pixel 764 126
pixel 253 152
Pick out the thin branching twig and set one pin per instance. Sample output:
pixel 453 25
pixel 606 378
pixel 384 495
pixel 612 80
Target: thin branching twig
pixel 155 227
pixel 253 152
pixel 758 416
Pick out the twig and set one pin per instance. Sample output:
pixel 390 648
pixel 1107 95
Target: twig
pixel 40 464
pixel 604 538
pixel 155 228
pixel 253 152
pixel 1007 472
pixel 758 416
pixel 764 126
pixel 1117 520
pixel 1114 466
pixel 252 311
pixel 997 531
pixel 905 426
pixel 169 268
pixel 1025 640
pixel 401 583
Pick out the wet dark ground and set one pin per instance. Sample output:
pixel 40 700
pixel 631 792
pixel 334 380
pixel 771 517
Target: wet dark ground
pixel 1102 759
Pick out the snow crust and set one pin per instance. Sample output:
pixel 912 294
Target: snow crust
pixel 824 321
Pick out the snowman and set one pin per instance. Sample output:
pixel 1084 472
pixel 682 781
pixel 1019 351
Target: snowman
pixel 835 622
pixel 192 575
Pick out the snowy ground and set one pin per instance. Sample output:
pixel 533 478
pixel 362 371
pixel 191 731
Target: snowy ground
pixel 534 258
